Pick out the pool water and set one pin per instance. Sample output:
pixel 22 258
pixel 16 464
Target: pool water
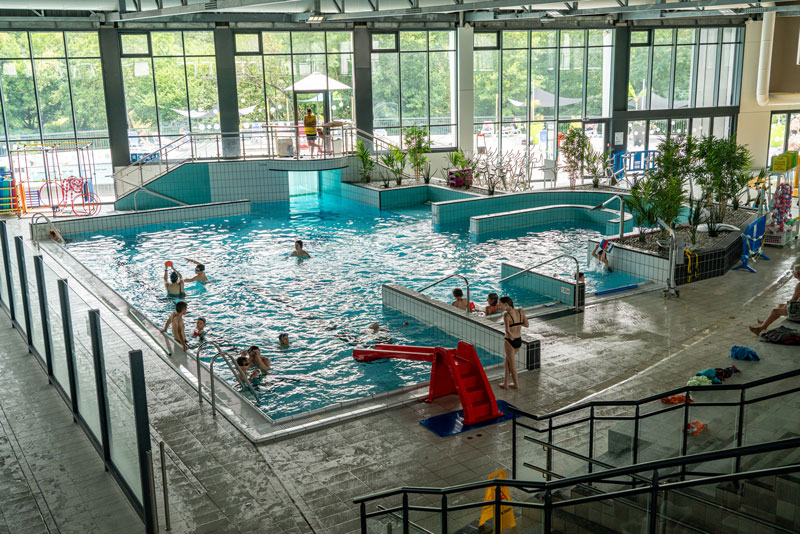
pixel 325 303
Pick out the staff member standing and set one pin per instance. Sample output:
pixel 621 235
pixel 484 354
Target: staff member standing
pixel 310 127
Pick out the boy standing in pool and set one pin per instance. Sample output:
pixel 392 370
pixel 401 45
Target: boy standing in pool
pixel 176 322
pixel 298 250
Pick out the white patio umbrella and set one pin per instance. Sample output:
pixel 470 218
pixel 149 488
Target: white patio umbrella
pixel 317 81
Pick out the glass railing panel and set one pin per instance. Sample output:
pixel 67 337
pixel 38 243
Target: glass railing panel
pixel 573 438
pixel 613 439
pixel 15 284
pixel 530 453
pixel 464 520
pixel 85 382
pixel 3 284
pixel 59 359
pixel 37 333
pixel 711 428
pixel 765 419
pixel 629 514
pixel 660 431
pixel 122 423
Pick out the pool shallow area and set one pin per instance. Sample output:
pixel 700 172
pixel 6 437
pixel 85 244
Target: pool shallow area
pixel 325 303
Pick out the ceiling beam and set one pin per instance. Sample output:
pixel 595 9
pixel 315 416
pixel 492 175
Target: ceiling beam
pixel 188 9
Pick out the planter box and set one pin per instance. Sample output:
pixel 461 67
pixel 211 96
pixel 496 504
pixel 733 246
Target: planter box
pixel 459 177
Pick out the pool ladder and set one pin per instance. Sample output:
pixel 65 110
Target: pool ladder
pixel 447 278
pixel 51 226
pixel 230 362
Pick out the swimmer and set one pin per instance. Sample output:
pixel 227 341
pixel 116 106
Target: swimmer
pixel 283 340
pixel 243 365
pixel 601 256
pixel 199 272
pixel 298 250
pixel 492 305
pixel 460 302
pixel 174 284
pixel 200 329
pixel 255 358
pixel 582 278
pixel 55 235
pixel 175 321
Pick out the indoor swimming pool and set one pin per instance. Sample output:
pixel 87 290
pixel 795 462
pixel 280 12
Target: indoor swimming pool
pixel 325 303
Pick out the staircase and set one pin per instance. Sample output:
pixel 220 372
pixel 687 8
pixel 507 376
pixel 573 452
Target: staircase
pixel 628 466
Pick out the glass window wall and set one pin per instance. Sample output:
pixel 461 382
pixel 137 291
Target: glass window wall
pixel 784 133
pixel 170 83
pixel 420 66
pixel 682 68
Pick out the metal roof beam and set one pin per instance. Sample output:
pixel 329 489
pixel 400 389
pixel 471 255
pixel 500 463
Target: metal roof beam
pixel 188 9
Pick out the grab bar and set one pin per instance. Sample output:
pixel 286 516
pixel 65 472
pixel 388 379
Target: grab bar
pixel 52 226
pixel 573 258
pixel 446 278
pixel 621 213
pixel 245 383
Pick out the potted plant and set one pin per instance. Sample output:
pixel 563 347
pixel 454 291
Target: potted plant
pixel 395 160
pixel 387 159
pixel 573 149
pixel 426 172
pixel 596 164
pixel 641 204
pixel 460 172
pixel 417 144
pixel 365 158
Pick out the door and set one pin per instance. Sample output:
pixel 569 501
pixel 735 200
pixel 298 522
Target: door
pixel 317 102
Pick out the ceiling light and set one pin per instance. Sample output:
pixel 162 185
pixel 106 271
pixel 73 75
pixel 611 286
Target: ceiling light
pixel 555 14
pixel 727 11
pixel 315 19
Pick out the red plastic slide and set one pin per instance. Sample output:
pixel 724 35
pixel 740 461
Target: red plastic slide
pixel 454 371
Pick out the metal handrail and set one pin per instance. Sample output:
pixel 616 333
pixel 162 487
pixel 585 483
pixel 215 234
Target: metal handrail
pixel 621 213
pixel 573 258
pixel 159 195
pixel 446 278
pixel 655 465
pixel 670 289
pixel 50 223
pixel 243 381
pixel 411 524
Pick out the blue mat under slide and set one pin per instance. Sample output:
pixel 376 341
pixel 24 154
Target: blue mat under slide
pixel 450 424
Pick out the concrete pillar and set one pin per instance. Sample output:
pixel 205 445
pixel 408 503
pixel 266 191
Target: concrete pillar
pixel 113 89
pixel 362 78
pixel 224 48
pixel 619 90
pixel 466 100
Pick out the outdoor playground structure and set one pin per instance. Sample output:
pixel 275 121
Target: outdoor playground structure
pixel 39 181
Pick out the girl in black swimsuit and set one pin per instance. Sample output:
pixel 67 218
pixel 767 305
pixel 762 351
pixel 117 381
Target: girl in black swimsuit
pixel 515 320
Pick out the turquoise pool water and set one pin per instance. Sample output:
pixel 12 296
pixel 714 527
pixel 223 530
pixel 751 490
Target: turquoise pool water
pixel 325 303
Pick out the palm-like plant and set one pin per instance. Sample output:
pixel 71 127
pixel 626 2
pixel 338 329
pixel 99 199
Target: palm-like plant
pixel 573 148
pixel 365 158
pixel 415 139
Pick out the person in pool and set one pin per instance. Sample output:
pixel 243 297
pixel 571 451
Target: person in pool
pixel 601 256
pixel 243 365
pixel 514 319
pixel 200 329
pixel 460 302
pixel 491 304
pixel 199 272
pixel 283 340
pixel 256 359
pixel 173 283
pixel 175 321
pixel 298 250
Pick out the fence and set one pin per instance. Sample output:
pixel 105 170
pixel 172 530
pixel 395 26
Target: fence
pixel 96 372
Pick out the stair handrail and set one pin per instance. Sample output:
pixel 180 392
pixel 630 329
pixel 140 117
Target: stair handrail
pixel 573 258
pixel 447 278
pixel 653 488
pixel 143 189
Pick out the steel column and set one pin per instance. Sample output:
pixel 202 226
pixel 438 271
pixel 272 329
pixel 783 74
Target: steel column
pixel 23 286
pixel 7 267
pixel 69 341
pixel 143 440
pixel 100 381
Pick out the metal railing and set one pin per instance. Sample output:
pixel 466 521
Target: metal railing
pixel 244 382
pixel 582 419
pixel 447 278
pixel 573 258
pixel 50 225
pixel 654 486
pixel 621 213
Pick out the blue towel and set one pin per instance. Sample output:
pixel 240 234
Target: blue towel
pixel 710 374
pixel 744 353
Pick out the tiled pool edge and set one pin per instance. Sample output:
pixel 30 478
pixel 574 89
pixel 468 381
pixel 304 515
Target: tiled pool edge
pixel 557 213
pixel 559 289
pixel 401 196
pixel 117 221
pixel 472 328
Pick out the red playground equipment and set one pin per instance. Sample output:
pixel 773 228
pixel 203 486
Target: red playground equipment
pixel 454 371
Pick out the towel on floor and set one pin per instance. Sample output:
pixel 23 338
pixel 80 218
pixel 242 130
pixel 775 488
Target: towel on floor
pixel 782 336
pixel 744 353
pixel 699 381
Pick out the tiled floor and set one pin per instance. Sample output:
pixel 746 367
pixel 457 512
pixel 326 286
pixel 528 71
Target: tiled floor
pixel 219 482
pixel 51 477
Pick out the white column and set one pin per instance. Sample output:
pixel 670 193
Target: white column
pixel 466 103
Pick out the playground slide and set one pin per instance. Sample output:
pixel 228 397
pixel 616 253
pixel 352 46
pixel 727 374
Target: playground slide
pixel 456 370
